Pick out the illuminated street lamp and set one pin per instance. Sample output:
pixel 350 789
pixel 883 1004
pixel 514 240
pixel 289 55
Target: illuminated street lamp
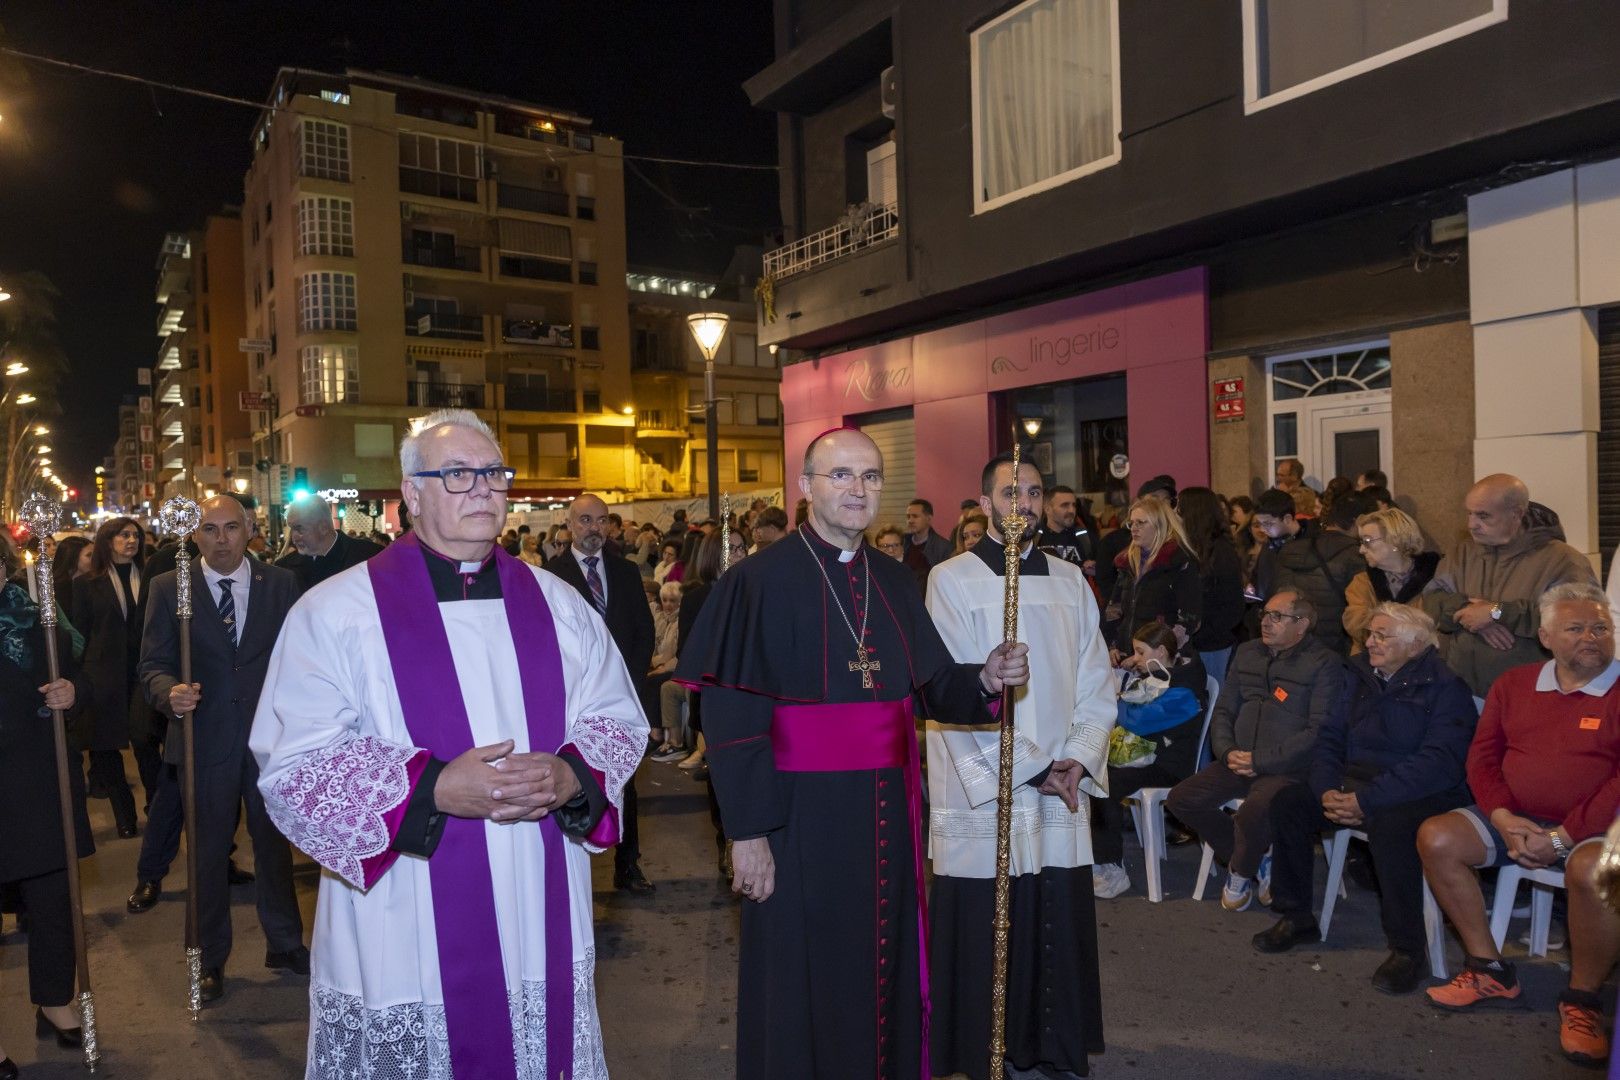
pixel 708 330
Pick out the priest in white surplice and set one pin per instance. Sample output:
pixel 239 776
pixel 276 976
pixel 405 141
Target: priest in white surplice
pixel 1063 719
pixel 447 731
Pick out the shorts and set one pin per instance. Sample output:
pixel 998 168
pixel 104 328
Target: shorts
pixel 1496 853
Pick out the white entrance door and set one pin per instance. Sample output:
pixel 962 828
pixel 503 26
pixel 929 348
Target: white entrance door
pixel 1352 440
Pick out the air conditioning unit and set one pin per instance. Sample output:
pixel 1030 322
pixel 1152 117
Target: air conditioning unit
pixel 889 91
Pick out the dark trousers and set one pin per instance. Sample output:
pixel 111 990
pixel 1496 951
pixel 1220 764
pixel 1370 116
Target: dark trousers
pixel 628 853
pixel 221 788
pixel 165 819
pixel 149 764
pixel 51 971
pixel 107 775
pixel 1239 840
pixel 1108 815
pixel 1296 821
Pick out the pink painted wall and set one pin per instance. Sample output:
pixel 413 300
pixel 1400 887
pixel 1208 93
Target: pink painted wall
pixel 1155 331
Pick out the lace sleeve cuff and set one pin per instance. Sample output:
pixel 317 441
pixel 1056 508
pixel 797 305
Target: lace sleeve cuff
pixel 343 804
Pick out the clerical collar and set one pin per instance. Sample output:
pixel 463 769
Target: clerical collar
pixel 457 580
pixel 825 547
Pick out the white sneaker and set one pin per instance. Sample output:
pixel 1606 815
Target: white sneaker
pixel 1237 894
pixel 1109 880
pixel 1262 879
pixel 1556 938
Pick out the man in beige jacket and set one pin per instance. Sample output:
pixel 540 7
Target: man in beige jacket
pixel 1484 593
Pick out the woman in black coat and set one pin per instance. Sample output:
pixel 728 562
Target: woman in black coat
pixel 33 858
pixel 1221 572
pixel 1156 580
pixel 109 609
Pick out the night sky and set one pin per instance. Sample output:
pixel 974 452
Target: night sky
pixel 94 171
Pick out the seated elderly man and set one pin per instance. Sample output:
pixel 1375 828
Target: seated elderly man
pixel 1278 690
pixel 1389 756
pixel 1545 771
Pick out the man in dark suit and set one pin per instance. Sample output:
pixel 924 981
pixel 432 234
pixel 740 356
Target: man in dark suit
pixel 238 605
pixel 613 587
pixel 322 550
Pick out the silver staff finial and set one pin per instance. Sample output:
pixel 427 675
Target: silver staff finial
pixel 179 517
pixel 42 515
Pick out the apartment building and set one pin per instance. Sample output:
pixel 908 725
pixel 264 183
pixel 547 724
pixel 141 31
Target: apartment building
pixel 410 246
pixel 1206 237
pixel 175 399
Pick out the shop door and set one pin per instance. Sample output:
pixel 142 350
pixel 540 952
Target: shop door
pixel 1353 440
pixel 895 433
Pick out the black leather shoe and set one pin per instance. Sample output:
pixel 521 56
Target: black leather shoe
pixel 1176 836
pixel 1288 932
pixel 1400 973
pixel 238 877
pixel 67 1038
pixel 212 985
pixel 9 1070
pixel 633 881
pixel 293 960
pixel 145 897
pixel 128 832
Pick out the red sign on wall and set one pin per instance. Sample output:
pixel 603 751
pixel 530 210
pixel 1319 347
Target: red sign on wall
pixel 1228 400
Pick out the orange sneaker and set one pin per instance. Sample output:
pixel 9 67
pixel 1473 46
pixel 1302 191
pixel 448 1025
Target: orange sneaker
pixel 1474 987
pixel 1580 1032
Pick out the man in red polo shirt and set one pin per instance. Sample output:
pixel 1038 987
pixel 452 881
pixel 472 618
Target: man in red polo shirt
pixel 1544 768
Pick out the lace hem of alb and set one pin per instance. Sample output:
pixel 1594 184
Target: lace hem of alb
pixel 612 749
pixel 348 1041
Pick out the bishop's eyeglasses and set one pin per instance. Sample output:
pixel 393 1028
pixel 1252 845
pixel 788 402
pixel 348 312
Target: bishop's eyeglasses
pixel 844 479
pixel 459 480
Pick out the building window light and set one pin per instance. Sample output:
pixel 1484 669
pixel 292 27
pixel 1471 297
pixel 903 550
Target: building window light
pixel 336 97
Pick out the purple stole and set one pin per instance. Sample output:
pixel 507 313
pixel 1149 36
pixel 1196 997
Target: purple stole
pixel 478 1016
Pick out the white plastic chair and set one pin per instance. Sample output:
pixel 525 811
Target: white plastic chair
pixel 1542 883
pixel 1206 865
pixel 1335 847
pixel 1147 806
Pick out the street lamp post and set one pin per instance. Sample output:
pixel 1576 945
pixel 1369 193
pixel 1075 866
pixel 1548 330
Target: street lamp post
pixel 709 329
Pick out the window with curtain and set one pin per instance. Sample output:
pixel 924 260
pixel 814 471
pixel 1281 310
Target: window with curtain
pixel 329 375
pixel 1045 97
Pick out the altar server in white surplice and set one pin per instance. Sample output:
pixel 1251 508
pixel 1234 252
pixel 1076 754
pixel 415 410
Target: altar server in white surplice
pixel 447 730
pixel 1063 719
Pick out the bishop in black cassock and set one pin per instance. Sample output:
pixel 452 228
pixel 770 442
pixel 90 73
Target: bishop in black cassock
pixel 808 657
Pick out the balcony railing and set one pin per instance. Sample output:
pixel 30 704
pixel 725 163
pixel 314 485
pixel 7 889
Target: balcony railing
pixel 458 325
pixel 557 335
pixel 432 395
pixel 461 257
pixel 863 227
pixel 540 399
pixel 536 269
pixel 534 200
pixel 437 184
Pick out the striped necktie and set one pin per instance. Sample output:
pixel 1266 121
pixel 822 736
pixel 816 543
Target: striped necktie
pixel 227 609
pixel 594 580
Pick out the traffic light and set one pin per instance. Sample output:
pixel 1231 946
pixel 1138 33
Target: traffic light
pixel 300 484
pixel 73 493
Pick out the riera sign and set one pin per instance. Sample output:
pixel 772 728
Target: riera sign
pixel 864 382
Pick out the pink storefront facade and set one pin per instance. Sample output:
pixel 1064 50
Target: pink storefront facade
pixel 956 382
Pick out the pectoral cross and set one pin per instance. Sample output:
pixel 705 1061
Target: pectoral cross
pixel 865 666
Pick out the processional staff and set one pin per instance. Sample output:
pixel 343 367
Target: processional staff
pixel 725 531
pixel 1012 531
pixel 43 517
pixel 180 517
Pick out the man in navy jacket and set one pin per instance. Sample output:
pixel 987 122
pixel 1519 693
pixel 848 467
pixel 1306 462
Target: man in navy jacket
pixel 1390 754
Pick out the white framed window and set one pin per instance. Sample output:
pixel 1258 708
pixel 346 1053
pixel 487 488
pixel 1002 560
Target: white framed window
pixel 1294 47
pixel 326 301
pixel 325 225
pixel 329 375
pixel 323 149
pixel 1045 88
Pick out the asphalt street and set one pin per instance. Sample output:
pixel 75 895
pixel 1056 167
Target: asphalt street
pixel 1185 994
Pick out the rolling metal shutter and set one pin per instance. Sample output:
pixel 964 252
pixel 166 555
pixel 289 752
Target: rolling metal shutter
pixel 1608 440
pixel 895 433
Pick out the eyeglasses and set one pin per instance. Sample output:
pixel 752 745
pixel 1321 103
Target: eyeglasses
pixel 1134 525
pixel 1378 637
pixel 1278 616
pixel 459 481
pixel 844 479
pixel 1369 541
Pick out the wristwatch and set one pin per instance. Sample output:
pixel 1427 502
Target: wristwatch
pixel 1558 846
pixel 1496 612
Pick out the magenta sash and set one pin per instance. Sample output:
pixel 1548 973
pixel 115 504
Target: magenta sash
pixel 478 1016
pixel 855 737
